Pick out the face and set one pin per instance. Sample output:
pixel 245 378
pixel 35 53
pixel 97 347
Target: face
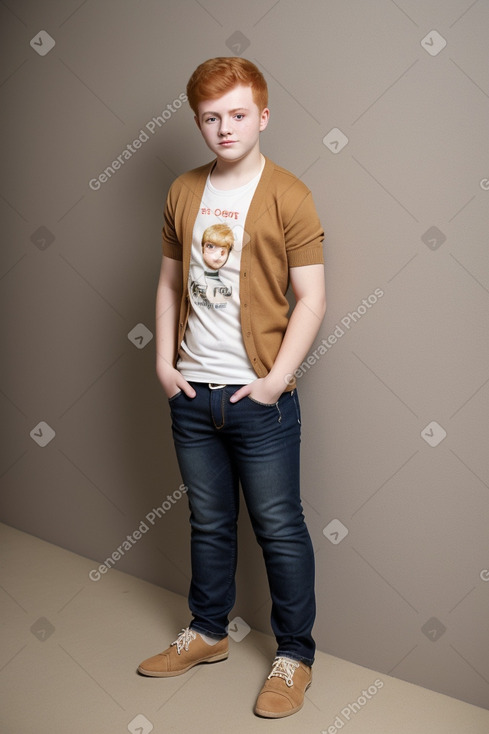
pixel 214 256
pixel 231 124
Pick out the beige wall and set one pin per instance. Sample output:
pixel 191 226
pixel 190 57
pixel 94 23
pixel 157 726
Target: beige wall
pixel 406 591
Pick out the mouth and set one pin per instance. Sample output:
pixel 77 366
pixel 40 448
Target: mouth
pixel 228 142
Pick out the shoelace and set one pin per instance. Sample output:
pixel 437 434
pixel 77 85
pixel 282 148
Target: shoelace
pixel 184 639
pixel 284 668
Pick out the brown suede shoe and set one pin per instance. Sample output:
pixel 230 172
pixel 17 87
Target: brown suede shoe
pixel 187 650
pixel 283 692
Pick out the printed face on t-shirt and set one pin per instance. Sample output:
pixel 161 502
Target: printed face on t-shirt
pixel 214 255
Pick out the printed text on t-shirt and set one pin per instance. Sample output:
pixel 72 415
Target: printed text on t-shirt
pixel 220 213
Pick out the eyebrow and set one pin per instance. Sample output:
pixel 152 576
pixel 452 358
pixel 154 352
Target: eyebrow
pixel 236 109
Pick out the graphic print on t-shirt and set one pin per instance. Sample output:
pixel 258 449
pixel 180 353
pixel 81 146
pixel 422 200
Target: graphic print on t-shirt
pixel 209 290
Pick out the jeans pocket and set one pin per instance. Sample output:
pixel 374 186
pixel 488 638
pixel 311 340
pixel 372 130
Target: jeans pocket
pixel 265 411
pixel 174 397
pixel 265 405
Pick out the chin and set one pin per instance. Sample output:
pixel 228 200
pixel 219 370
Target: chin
pixel 231 155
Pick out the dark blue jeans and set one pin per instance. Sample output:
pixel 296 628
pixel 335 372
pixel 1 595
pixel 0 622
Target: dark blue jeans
pixel 219 445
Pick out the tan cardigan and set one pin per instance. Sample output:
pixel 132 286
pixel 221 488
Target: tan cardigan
pixel 283 231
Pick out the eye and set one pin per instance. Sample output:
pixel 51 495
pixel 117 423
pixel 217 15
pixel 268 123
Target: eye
pixel 239 116
pixel 210 119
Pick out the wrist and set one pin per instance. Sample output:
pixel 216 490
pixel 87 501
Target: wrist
pixel 274 385
pixel 164 364
pixel 276 382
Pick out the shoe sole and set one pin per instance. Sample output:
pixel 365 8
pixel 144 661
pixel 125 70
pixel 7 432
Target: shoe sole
pixel 172 673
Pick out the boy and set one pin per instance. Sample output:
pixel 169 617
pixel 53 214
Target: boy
pixel 227 375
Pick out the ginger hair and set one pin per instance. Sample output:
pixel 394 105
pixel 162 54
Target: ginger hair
pixel 215 77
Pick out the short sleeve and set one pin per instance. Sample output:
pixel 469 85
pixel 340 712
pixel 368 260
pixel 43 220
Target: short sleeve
pixel 304 235
pixel 172 247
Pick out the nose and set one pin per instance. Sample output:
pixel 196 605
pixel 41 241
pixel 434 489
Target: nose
pixel 225 127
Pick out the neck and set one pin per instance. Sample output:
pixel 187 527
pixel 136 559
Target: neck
pixel 233 174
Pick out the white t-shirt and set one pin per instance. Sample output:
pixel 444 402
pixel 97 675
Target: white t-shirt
pixel 212 349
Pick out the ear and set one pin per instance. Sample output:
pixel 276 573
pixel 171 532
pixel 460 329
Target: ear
pixel 264 118
pixel 197 122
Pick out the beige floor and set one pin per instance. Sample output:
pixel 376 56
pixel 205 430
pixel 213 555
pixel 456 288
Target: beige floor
pixel 70 647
